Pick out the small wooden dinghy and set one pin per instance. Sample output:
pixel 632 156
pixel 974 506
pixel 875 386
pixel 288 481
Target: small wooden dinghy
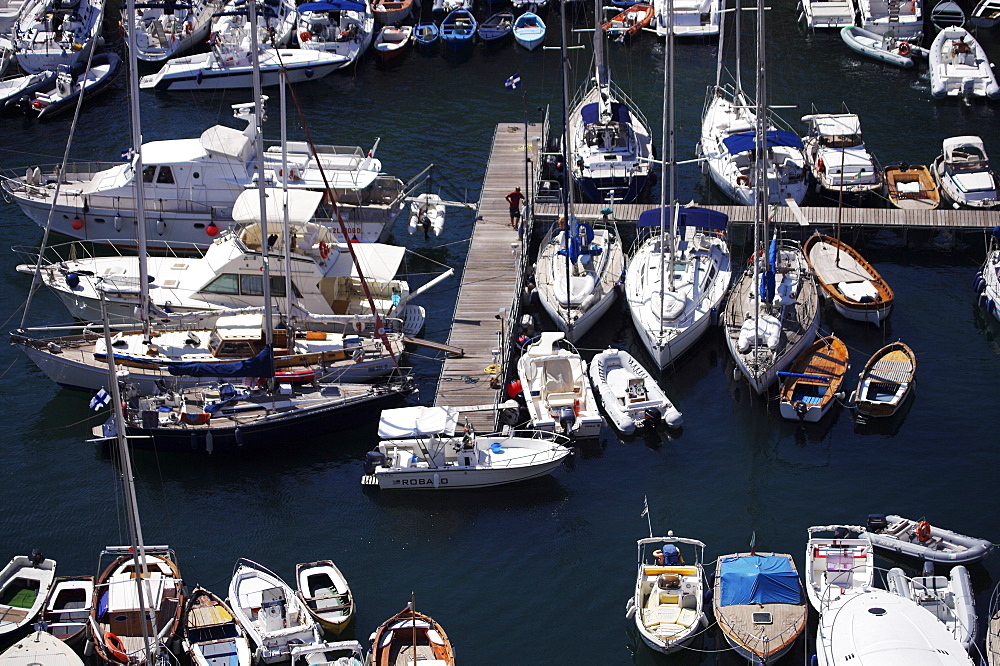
pixel 497 29
pixel 410 637
pixel 837 564
pixel 41 649
pixel 630 396
pixel 854 287
pixel 67 608
pixel 886 381
pixel 326 594
pixel 911 187
pixel 426 35
pixel 949 599
pixel 629 21
pixel 809 388
pixel 24 584
pixel 211 635
pixel 393 41
pixel 919 539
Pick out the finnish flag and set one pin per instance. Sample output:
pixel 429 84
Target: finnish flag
pixel 128 155
pixel 100 400
pixel 513 82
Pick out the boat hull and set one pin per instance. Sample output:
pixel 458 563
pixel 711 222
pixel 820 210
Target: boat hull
pixel 964 549
pixel 198 78
pixel 452 479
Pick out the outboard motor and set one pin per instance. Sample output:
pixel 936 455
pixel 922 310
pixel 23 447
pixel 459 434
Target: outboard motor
pixel 928 568
pixel 652 418
pixel 801 409
pixel 373 459
pixel 36 557
pixel 877 522
pixel 567 418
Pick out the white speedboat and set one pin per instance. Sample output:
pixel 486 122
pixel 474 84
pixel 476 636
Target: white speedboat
pixel 920 539
pixel 876 626
pixel 759 604
pixel 960 67
pixel 828 13
pixel 554 380
pixel 905 20
pixel 329 653
pixel 191 187
pixel 577 274
pixel 886 48
pixel 67 607
pixel 692 18
pixel 675 285
pixel 668 601
pixel 342 27
pixel 326 595
pixel 24 584
pixel 273 617
pixel 427 212
pixel 837 564
pixel 40 648
pixel 837 156
pixel 963 173
pixel 49 33
pixel 162 31
pixel 631 397
pixel 950 599
pixel 211 635
pixel 421 450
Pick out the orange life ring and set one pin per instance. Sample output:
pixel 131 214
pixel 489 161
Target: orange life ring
pixel 743 180
pixel 305 36
pixel 324 249
pixel 115 647
pixel 923 531
pixel 904 49
pixel 658 556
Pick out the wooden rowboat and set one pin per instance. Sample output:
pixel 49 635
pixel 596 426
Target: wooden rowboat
pixel 886 381
pixel 410 637
pixel 911 187
pixel 629 21
pixel 326 594
pixel 815 378
pixel 856 289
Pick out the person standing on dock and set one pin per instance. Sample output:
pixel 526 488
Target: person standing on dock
pixel 514 199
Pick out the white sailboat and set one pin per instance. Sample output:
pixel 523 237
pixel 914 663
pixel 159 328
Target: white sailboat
pixel 163 31
pixel 675 283
pixel 49 33
pixel 692 18
pixel 342 27
pixel 769 322
pixel 40 648
pixel 730 124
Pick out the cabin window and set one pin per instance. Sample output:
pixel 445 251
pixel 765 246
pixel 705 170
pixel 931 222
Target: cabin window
pixel 227 283
pixel 253 285
pixel 231 348
pixel 165 176
pixel 147 174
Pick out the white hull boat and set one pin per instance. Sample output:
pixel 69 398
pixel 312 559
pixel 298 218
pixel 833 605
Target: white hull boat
pixel 692 18
pixel 212 636
pixel 837 157
pixel 577 275
pixel 949 599
pixel 342 27
pixel 42 649
pixel 24 584
pixel 960 67
pixel 920 539
pixel 421 451
pixel 160 35
pixel 667 604
pixel 828 13
pixel 837 565
pixel 529 30
pixel 905 23
pixel 887 49
pixel 631 397
pixel 325 592
pixel 49 33
pixel 273 617
pixel 556 389
pixel 67 608
pixel 876 626
pixel 230 68
pixel 427 213
pixel 963 173
pixel 15 87
pixel 671 317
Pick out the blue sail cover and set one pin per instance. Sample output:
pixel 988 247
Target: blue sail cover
pixel 332 6
pixel 591 113
pixel 759 579
pixel 699 218
pixel 579 242
pixel 746 141
pixel 261 365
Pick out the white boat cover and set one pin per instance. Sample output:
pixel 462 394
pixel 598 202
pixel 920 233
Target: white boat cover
pixel 417 422
pixel 839 124
pixel 302 205
pixel 962 144
pixel 766 329
pixel 227 142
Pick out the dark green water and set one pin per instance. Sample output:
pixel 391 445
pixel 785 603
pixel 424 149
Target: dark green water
pixel 537 573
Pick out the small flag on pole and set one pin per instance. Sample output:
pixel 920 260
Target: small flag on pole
pixel 513 82
pixel 128 155
pixel 100 400
pixel 645 507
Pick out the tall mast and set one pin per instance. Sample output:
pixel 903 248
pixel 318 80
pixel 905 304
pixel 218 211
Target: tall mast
pixel 568 150
pixel 738 41
pixel 667 195
pixel 137 171
pixel 286 225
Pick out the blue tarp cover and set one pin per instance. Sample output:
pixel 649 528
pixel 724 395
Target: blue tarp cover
pixel 591 113
pixel 744 141
pixel 759 579
pixel 699 218
pixel 261 365
pixel 332 6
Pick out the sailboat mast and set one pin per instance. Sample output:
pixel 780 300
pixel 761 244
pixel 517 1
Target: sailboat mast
pixel 600 68
pixel 721 50
pixel 138 177
pixel 738 42
pixel 667 195
pixel 568 157
pixel 286 224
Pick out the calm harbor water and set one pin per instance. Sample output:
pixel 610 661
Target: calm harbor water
pixel 537 573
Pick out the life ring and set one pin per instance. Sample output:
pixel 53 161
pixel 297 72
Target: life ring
pixel 923 531
pixel 305 36
pixel 658 556
pixel 358 355
pixel 324 249
pixel 359 326
pixel 491 369
pixel 115 647
pixel 743 180
pixel 904 49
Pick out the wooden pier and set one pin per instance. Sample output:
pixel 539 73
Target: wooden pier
pixel 487 299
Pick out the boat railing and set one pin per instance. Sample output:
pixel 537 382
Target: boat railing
pixel 77 250
pixel 16 180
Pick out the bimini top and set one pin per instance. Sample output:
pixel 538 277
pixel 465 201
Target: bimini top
pixel 759 579
pixel 966 146
pixel 746 141
pixel 699 218
pixel 591 113
pixel 332 6
pixel 833 124
pixel 417 422
pixel 302 205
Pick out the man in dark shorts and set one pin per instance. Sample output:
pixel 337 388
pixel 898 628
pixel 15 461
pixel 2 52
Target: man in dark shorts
pixel 514 200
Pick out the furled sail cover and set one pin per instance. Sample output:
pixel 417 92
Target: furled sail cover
pixel 759 579
pixel 591 113
pixel 332 6
pixel 746 141
pixel 261 365
pixel 699 218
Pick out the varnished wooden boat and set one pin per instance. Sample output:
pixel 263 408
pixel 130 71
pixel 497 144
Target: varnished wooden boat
pixel 854 287
pixel 326 594
pixel 629 21
pixel 809 388
pixel 410 637
pixel 67 608
pixel 886 381
pixel 211 635
pixel 911 187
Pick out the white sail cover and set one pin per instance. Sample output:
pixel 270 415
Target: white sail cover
pixel 302 205
pixel 417 422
